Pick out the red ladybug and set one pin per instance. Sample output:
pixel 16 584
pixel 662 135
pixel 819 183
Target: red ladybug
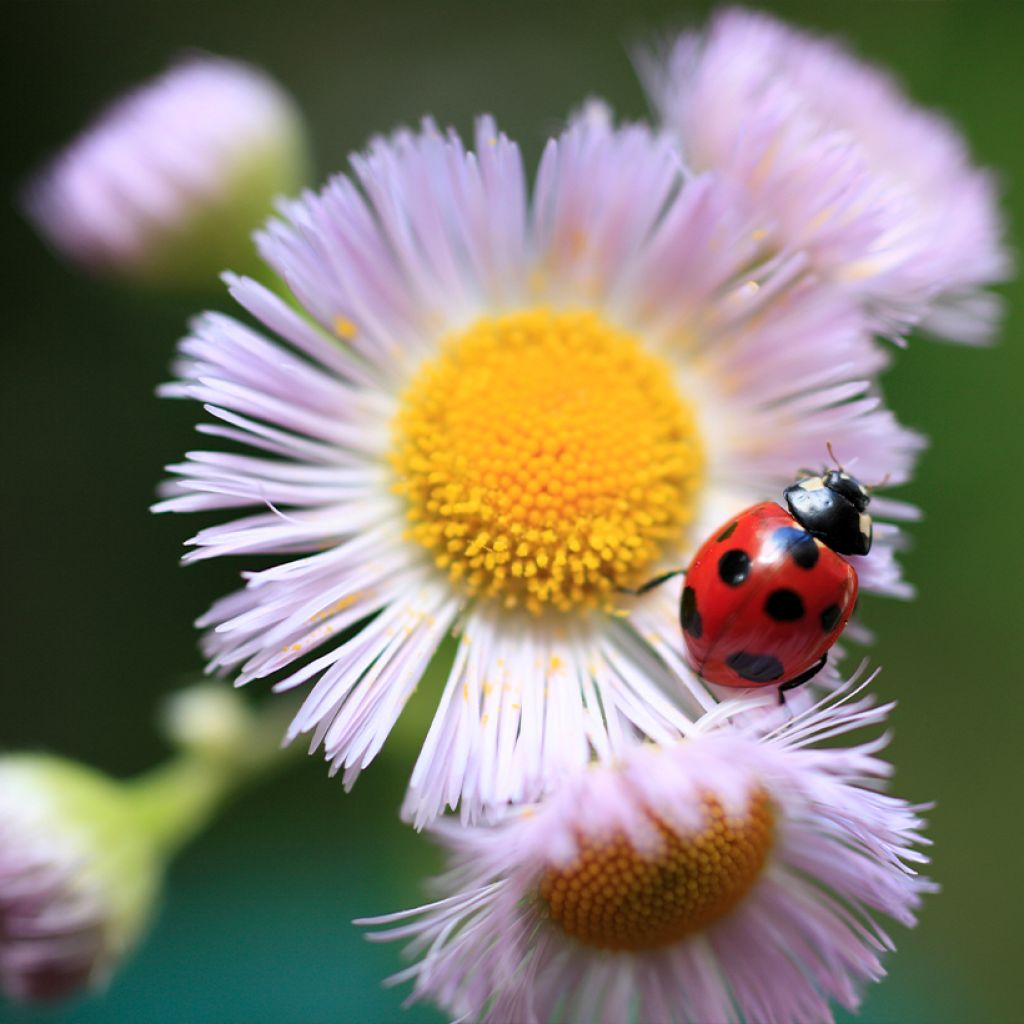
pixel 768 593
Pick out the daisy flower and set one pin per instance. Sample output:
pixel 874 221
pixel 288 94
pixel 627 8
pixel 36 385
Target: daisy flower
pixel 167 184
pixel 729 877
pixel 489 413
pixel 836 161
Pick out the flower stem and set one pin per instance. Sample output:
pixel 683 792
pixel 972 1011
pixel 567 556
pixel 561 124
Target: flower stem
pixel 177 799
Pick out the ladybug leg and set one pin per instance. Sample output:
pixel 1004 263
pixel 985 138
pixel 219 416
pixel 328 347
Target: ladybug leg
pixel 802 678
pixel 651 584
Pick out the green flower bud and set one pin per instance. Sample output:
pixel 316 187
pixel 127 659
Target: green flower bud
pixel 78 876
pixel 82 856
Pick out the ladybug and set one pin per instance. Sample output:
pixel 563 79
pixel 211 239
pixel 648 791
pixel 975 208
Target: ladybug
pixel 768 593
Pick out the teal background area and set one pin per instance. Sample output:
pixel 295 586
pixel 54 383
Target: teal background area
pixel 255 924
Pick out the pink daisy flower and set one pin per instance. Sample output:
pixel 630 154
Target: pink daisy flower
pixel 730 877
pixel 881 195
pixel 492 412
pixel 168 183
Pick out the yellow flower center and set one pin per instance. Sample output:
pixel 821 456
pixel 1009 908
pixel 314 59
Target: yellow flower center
pixel 614 897
pixel 546 459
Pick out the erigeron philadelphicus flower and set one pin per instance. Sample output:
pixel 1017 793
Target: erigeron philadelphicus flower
pixel 82 856
pixel 730 877
pixel 495 412
pixel 880 193
pixel 167 185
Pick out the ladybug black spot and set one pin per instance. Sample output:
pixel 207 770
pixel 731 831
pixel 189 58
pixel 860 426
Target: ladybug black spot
pixel 784 605
pixel 734 567
pixel 805 552
pixel 798 544
pixel 755 668
pixel 689 617
pixel 727 532
pixel 829 617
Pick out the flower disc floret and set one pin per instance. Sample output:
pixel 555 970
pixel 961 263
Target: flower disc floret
pixel 616 897
pixel 546 458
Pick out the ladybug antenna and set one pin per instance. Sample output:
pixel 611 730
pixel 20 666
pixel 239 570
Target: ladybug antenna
pixel 832 456
pixel 651 584
pixel 868 487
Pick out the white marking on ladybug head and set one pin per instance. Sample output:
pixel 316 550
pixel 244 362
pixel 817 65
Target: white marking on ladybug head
pixel 865 524
pixel 856 483
pixel 814 483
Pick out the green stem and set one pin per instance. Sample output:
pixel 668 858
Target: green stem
pixel 176 800
pixel 179 798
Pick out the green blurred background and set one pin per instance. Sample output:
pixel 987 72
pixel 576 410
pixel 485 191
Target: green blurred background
pixel 255 927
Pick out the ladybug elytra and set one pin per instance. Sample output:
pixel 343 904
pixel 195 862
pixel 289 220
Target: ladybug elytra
pixel 768 593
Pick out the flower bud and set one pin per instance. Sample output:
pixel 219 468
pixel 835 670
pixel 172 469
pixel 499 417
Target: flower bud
pixel 78 876
pixel 82 856
pixel 167 184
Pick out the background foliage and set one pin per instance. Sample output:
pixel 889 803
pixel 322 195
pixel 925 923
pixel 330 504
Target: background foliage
pixel 97 622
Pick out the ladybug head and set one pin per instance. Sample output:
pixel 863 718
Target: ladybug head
pixel 832 507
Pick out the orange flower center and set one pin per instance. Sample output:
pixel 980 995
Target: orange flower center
pixel 546 459
pixel 614 897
